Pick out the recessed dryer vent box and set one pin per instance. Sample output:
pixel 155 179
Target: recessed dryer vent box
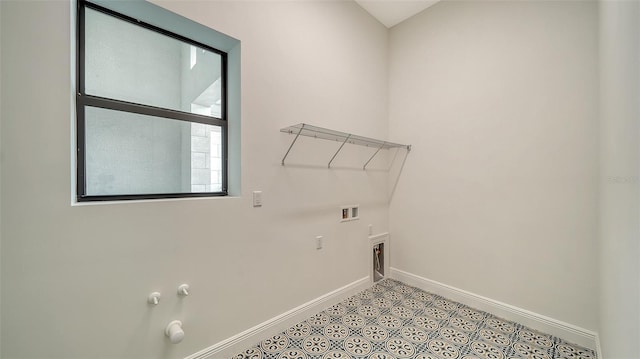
pixel 349 213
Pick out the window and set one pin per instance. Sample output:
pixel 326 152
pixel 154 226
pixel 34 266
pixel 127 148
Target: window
pixel 151 111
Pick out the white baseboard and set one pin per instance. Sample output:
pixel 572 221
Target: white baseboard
pixel 275 325
pixel 562 330
pixel 598 348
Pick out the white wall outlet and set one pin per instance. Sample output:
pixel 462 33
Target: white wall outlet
pixel 319 242
pixel 257 198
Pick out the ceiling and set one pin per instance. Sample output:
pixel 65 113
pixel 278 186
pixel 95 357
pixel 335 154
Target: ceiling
pixel 392 12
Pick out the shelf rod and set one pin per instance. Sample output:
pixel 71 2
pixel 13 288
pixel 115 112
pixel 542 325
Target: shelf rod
pixel 378 150
pixel 338 151
pixel 292 143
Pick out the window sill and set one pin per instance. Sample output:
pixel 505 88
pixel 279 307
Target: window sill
pixel 76 203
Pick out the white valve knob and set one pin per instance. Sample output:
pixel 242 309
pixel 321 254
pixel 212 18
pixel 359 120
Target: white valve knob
pixel 154 298
pixel 174 332
pixel 183 289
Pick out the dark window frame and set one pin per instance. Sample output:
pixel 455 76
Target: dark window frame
pixel 84 100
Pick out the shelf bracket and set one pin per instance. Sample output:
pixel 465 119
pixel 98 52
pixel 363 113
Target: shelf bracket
pixel 378 150
pixel 292 143
pixel 339 149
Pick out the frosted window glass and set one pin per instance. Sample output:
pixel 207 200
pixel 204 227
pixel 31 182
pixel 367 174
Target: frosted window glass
pixel 128 153
pixel 127 62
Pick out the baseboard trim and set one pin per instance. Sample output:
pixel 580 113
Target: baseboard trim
pixel 277 324
pixel 565 331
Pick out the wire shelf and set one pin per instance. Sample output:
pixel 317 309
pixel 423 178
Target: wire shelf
pixel 303 129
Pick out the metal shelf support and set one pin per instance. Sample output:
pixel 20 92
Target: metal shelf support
pixel 292 143
pixel 374 154
pixel 338 151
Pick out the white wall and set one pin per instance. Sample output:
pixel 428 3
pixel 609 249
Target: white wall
pixel 1 161
pixel 75 278
pixel 619 190
pixel 499 194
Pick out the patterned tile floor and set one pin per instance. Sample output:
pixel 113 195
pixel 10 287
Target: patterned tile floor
pixel 392 320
